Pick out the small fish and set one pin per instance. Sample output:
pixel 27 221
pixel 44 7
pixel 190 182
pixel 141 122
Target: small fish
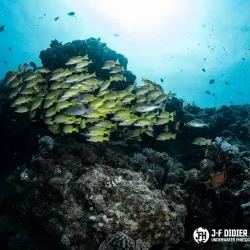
pixel 22 109
pixel 36 103
pixel 50 112
pixel 14 93
pixel 166 114
pixel 141 99
pixel 10 76
pixel 28 91
pixel 243 58
pixel 56 18
pixel 144 122
pixel 83 64
pixel 203 70
pixel 207 92
pixel 2 28
pixel 76 110
pixel 98 138
pixel 128 98
pixel 71 13
pixel 166 136
pixel 231 102
pixel 43 70
pixel 240 93
pixel 68 129
pixel 217 178
pixel 21 100
pixel 116 69
pixel 14 83
pixel 142 90
pixel 227 83
pixel 64 119
pixel 162 121
pixel 117 35
pixel 48 120
pixel 97 132
pixel 110 64
pixel 160 98
pixel 30 76
pixel 117 78
pixel 211 81
pixel 105 124
pixel 146 81
pixel 152 94
pixel 54 128
pixel 105 85
pixel 161 80
pixel 10 48
pixel 197 124
pixel 144 107
pixel 64 104
pixel 200 141
pixel 187 105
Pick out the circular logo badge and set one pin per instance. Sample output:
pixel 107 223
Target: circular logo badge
pixel 201 235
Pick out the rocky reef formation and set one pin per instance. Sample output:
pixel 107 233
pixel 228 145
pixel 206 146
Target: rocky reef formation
pixel 90 199
pixel 63 193
pixel 58 54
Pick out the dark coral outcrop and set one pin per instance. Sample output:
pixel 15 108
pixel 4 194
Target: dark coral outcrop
pixel 58 54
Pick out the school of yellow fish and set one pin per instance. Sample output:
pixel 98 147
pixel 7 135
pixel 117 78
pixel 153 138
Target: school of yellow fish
pixel 71 100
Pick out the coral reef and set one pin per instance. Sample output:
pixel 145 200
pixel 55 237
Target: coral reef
pixel 58 54
pixel 83 207
pixel 120 241
pixel 64 193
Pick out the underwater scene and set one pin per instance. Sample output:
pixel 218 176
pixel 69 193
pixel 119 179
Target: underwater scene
pixel 124 125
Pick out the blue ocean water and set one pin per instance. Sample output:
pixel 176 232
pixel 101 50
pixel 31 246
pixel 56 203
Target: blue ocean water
pixel 186 43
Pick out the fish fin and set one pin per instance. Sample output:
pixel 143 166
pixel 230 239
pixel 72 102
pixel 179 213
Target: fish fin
pixel 86 57
pixel 115 125
pixel 164 106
